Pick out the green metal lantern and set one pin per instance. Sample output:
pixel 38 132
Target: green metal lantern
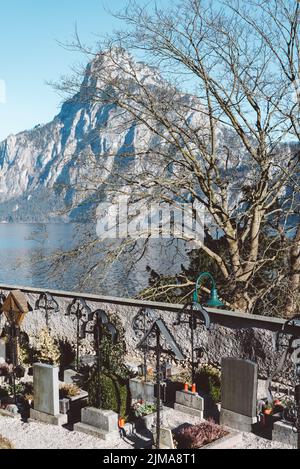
pixel 213 301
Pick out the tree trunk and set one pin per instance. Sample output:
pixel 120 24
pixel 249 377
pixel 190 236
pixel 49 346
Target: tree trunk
pixel 292 305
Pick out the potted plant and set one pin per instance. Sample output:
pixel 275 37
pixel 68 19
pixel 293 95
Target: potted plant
pixel 146 412
pixel 289 410
pixel 268 408
pixel 141 409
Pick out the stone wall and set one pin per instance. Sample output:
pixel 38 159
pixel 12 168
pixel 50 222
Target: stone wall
pixel 232 334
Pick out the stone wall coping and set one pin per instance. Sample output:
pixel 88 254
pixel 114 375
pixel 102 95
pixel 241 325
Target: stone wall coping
pixel 227 318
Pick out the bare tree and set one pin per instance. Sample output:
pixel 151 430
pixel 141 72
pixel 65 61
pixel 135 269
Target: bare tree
pixel 217 121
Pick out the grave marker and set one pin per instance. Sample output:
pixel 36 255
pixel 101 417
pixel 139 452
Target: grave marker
pixel 239 393
pixel 46 395
pixel 2 350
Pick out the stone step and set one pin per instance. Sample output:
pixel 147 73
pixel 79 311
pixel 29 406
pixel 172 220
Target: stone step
pixel 189 410
pixel 94 431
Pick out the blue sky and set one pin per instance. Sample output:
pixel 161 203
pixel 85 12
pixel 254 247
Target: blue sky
pixel 30 55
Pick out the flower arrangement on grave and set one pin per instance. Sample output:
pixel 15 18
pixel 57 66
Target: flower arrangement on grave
pixel 289 410
pixel 268 409
pixel 68 390
pixel 141 408
pixel 47 350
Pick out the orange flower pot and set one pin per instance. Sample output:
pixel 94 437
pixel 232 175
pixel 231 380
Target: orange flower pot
pixel 121 423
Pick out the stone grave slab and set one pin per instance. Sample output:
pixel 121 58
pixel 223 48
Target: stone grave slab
pixel 239 394
pixel 142 390
pixel 98 422
pixel 166 439
pixel 46 395
pixel 72 377
pixel 189 403
pixel 285 433
pixel 2 350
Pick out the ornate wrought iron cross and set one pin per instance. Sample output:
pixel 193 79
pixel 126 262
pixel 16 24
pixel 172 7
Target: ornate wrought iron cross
pixel 47 303
pixel 82 314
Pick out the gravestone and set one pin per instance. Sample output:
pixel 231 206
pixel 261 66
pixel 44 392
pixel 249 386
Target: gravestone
pixel 46 395
pixel 98 422
pixel 190 403
pixel 142 390
pixel 239 393
pixel 284 432
pixel 72 377
pixel 2 351
pixel 166 439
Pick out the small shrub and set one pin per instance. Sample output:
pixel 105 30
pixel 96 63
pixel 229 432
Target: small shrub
pixel 22 389
pixel 68 390
pixel 5 443
pixel 208 380
pixel 25 351
pixel 113 393
pixel 197 436
pixel 19 389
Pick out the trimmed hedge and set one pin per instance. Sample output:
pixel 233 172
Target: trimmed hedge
pixel 114 393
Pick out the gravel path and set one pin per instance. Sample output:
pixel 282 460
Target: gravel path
pixel 35 435
pixel 41 436
pixel 251 441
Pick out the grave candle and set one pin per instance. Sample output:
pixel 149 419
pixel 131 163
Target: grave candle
pixel 186 387
pixel 121 423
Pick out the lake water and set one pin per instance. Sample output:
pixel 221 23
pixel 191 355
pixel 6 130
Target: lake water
pixel 24 249
pixel 28 252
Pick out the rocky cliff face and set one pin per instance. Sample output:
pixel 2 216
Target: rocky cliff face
pixel 40 167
